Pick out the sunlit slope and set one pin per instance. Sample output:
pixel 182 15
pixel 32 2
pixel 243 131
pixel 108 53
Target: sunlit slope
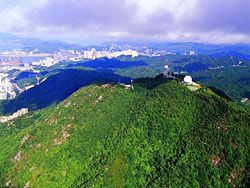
pixel 109 136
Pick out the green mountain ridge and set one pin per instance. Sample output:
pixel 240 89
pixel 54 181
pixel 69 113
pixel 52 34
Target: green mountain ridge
pixel 158 135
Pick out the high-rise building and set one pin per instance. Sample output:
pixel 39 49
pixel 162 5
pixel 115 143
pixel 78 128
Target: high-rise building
pixel 3 94
pixel 6 87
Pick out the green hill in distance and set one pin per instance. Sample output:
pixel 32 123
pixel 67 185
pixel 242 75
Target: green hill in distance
pixel 160 134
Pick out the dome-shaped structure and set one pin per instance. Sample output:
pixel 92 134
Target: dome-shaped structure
pixel 166 71
pixel 166 67
pixel 188 80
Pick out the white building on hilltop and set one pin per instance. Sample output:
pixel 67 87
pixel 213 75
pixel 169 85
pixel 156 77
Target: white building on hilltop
pixel 188 80
pixel 166 71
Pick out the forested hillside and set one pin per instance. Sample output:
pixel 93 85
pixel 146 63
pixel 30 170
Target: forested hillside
pixel 160 134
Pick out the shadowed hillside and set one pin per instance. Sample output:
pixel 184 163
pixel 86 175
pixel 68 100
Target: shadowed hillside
pixel 58 87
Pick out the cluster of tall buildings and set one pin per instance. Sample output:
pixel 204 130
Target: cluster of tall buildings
pixel 6 87
pixel 14 63
pixel 71 55
pixel 14 59
pixel 19 60
pixel 47 62
pixel 93 54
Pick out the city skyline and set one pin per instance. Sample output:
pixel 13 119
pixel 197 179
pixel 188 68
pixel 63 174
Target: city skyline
pixel 225 21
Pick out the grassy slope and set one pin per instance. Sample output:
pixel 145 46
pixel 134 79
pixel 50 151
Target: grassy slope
pixel 162 137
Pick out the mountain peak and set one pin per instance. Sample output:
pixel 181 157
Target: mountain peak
pixel 110 136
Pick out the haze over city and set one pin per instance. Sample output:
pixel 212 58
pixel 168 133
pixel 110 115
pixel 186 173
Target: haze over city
pixel 211 21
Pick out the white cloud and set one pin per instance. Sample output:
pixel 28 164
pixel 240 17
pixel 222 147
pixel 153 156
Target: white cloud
pixel 13 12
pixel 178 8
pixel 189 20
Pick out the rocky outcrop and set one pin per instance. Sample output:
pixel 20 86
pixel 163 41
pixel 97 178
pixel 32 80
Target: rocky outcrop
pixel 27 185
pixel 19 113
pixel 62 136
pixel 8 184
pixel 18 156
pixel 25 138
pixel 107 86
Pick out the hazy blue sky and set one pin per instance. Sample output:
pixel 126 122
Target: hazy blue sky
pixel 216 21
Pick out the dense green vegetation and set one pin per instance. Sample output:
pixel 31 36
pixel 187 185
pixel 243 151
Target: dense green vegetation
pixel 26 82
pixel 235 82
pixel 232 77
pixel 158 135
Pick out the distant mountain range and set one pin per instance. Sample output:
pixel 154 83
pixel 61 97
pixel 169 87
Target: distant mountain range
pixel 10 38
pixel 219 50
pixel 10 41
pixel 182 47
pixel 53 46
